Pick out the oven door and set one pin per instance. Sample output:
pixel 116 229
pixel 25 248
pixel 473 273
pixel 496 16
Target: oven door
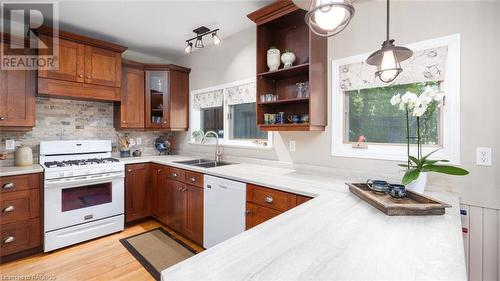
pixel 72 201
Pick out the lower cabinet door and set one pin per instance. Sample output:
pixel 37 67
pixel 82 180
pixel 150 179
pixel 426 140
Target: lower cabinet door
pixel 257 214
pixel 175 205
pixel 137 192
pixel 19 236
pixel 193 224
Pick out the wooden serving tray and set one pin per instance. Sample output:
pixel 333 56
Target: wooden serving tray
pixel 413 204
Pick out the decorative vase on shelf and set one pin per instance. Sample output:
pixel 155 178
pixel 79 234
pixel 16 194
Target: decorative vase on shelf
pixel 287 58
pixel 273 59
pixel 418 185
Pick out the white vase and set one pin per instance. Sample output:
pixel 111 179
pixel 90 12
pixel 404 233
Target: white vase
pixel 287 58
pixel 273 59
pixel 418 185
pixel 23 156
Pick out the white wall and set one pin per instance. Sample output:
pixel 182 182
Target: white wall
pixel 412 21
pixel 144 58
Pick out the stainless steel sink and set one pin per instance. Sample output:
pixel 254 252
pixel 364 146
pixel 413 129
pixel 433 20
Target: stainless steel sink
pixel 205 163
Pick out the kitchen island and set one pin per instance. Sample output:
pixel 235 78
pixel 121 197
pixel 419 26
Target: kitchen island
pixel 335 236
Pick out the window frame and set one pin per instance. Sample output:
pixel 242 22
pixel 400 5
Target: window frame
pixel 195 119
pixel 450 116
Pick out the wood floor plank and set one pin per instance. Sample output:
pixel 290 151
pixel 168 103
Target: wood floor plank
pixel 104 258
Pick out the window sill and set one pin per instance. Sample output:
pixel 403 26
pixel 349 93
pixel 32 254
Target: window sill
pixel 233 145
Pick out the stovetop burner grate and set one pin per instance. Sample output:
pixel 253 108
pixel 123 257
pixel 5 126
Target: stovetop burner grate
pixel 80 162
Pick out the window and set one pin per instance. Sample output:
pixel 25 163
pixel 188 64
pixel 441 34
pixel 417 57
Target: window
pixel 369 115
pixel 229 110
pixel 361 108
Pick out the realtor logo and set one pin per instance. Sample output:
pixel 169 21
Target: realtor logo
pixel 22 47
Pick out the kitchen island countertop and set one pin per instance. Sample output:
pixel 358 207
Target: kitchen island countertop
pixel 335 236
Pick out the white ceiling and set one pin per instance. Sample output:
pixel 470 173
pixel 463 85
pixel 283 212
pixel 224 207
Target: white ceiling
pixel 156 28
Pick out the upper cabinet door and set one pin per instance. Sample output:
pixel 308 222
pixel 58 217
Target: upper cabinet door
pixel 132 98
pixel 17 98
pixel 179 100
pixel 102 67
pixel 71 62
pixel 157 100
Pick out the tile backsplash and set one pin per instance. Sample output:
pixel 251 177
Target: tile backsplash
pixel 62 119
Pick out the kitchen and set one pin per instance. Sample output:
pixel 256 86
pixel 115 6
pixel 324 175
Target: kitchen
pixel 287 212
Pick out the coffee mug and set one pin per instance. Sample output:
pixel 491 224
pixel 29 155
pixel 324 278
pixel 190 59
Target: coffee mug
pixel 304 118
pixel 293 118
pixel 272 118
pixel 396 190
pixel 377 185
pixel 266 118
pixel 280 119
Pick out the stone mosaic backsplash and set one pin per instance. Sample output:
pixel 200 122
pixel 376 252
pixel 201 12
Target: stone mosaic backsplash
pixel 62 119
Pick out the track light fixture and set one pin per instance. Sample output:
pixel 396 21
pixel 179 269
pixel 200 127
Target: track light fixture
pixel 200 32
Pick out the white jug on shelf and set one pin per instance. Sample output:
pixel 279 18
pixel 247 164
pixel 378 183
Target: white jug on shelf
pixel 23 156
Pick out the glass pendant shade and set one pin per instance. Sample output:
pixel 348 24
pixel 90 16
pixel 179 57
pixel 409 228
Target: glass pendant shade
pixel 388 60
pixel 329 17
pixel 215 39
pixel 199 42
pixel 189 48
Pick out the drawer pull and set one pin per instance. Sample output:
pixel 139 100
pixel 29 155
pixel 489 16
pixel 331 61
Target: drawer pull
pixel 9 185
pixel 174 175
pixel 192 179
pixel 179 188
pixel 247 212
pixel 129 170
pixel 2 117
pixel 9 239
pixel 269 199
pixel 8 209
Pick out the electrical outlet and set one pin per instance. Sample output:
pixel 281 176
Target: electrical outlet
pixel 10 144
pixel 138 141
pixel 291 146
pixel 483 156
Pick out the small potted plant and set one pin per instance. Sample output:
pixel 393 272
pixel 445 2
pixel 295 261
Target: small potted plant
pixel 417 167
pixel 197 135
pixel 287 58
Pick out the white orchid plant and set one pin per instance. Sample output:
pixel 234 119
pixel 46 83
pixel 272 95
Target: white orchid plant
pixel 417 105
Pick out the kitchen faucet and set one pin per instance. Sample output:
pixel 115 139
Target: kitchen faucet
pixel 218 153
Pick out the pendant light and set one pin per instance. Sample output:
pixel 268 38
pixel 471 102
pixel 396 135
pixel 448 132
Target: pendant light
pixel 189 48
pixel 329 17
pixel 199 42
pixel 215 39
pixel 388 59
pixel 198 39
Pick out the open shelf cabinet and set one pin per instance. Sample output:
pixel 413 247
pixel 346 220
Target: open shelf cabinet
pixel 281 24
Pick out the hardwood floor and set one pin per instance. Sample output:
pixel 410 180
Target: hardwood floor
pixel 100 259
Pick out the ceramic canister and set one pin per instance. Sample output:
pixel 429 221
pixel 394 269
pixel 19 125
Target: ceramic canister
pixel 273 59
pixel 23 156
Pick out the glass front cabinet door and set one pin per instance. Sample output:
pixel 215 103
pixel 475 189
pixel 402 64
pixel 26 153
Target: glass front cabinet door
pixel 157 99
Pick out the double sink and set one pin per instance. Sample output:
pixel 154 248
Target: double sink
pixel 204 163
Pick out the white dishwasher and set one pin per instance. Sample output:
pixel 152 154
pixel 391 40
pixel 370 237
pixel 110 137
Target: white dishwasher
pixel 223 210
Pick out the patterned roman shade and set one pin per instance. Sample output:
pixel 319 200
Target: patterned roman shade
pixel 425 65
pixel 208 99
pixel 245 93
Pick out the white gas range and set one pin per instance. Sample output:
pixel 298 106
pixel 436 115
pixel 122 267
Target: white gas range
pixel 83 191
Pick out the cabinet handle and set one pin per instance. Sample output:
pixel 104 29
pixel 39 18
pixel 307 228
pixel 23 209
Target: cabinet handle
pixel 89 76
pixel 124 121
pixel 129 170
pixel 268 199
pixel 2 117
pixel 192 179
pixel 247 212
pixel 9 185
pixel 158 170
pixel 174 175
pixel 179 189
pixel 9 239
pixel 81 75
pixel 8 209
pixel 164 122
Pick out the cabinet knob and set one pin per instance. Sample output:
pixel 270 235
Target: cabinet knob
pixel 2 117
pixel 164 122
pixel 247 212
pixel 9 239
pixel 179 189
pixel 9 185
pixel 124 121
pixel 174 175
pixel 8 209
pixel 268 199
pixel 89 76
pixel 129 170
pixel 158 170
pixel 192 179
pixel 80 75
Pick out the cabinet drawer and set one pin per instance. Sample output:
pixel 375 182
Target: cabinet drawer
pixel 278 200
pixel 257 214
pixel 176 174
pixel 193 178
pixel 19 236
pixel 21 182
pixel 19 205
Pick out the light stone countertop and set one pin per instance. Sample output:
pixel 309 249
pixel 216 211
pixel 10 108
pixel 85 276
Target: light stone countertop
pixel 335 236
pixel 13 170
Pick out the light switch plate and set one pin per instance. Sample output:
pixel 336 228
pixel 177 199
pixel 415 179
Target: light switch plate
pixel 483 156
pixel 138 141
pixel 10 144
pixel 291 146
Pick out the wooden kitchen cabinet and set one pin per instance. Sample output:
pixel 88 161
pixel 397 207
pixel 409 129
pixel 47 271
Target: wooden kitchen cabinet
pixel 86 68
pixel 129 112
pixel 20 219
pixel 257 214
pixel 137 192
pixel 176 200
pixel 193 227
pixel 17 99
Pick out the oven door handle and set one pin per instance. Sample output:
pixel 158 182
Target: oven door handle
pixel 82 180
